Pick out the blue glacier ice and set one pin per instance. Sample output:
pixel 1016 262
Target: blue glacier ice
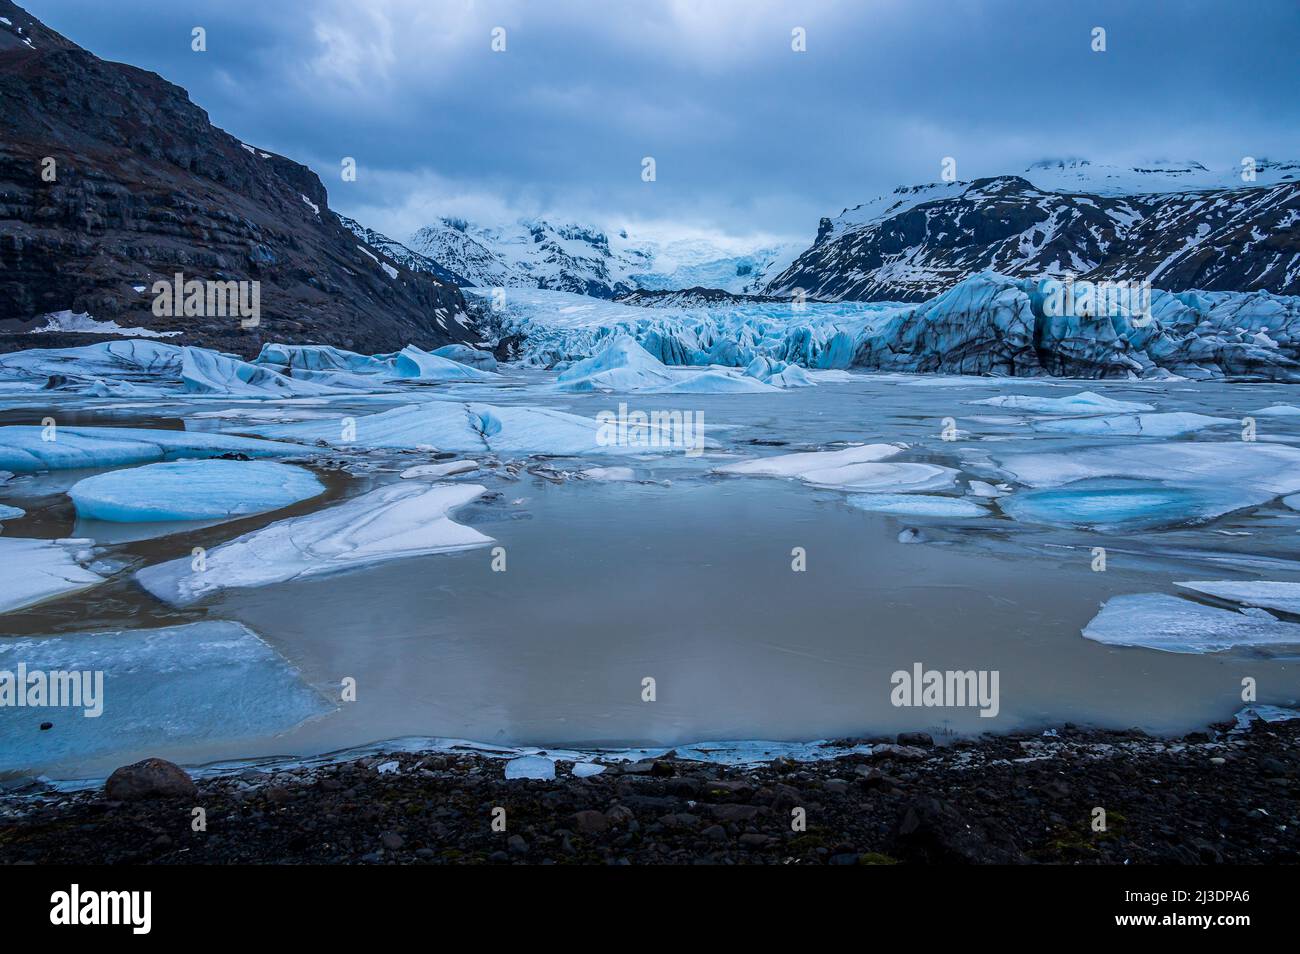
pixel 208 372
pixel 413 364
pixel 1085 402
pixel 25 448
pixel 192 490
pixel 1118 505
pixel 177 685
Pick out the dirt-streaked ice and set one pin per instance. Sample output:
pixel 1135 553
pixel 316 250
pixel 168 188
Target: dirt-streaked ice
pixel 1266 594
pixel 25 447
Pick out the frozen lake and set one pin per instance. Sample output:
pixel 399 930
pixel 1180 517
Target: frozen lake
pixel 685 576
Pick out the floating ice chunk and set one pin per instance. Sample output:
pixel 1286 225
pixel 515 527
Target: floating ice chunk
pixel 1173 625
pixel 883 478
pixel 1118 505
pixel 1134 425
pixel 715 382
pixel 192 490
pixel 323 358
pixel 1292 501
pixel 214 679
pixel 621 365
pixel 26 448
pixel 11 513
pixel 1085 402
pixel 1257 471
pixel 207 372
pixel 779 373
pixel 615 474
pixel 464 354
pixel 393 522
pixel 919 505
pixel 1265 594
pixel 448 469
pixel 32 571
pixel 586 769
pixel 1277 410
pixel 413 364
pixel 471 428
pixel 797 465
pixel 982 488
pixel 531 766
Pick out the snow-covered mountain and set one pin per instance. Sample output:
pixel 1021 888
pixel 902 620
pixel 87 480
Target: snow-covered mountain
pixel 1179 225
pixel 536 253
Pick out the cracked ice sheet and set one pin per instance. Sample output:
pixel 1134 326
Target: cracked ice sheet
pixel 32 571
pixel 1173 625
pixel 1265 594
pixel 23 447
pixel 214 679
pixel 464 428
pixel 396 521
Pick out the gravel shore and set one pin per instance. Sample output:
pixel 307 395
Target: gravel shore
pixel 1222 796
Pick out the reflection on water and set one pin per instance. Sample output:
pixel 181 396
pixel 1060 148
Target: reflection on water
pixel 688 581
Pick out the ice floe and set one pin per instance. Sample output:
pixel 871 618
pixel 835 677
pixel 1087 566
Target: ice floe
pixel 802 464
pixel 715 382
pixel 192 490
pixel 621 365
pixel 1085 402
pixel 404 519
pixel 25 448
pixel 11 513
pixel 917 505
pixel 1202 478
pixel 1265 594
pixel 210 680
pixel 464 354
pixel 1135 425
pixel 888 477
pixel 1174 625
pixel 1119 505
pixel 474 428
pixel 449 469
pixel 611 474
pixel 32 571
pixel 413 364
pixel 208 372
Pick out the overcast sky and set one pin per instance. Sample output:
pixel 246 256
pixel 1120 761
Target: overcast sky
pixel 749 137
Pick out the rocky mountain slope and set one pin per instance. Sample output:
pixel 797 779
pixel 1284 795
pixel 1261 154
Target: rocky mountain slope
pixel 145 187
pixel 920 241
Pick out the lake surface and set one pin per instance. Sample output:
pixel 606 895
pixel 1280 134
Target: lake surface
pixel 686 579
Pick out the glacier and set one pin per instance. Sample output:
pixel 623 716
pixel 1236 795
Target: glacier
pixel 208 680
pixel 192 490
pixel 987 324
pixel 395 521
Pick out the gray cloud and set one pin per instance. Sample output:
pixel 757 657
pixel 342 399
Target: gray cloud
pixel 748 135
